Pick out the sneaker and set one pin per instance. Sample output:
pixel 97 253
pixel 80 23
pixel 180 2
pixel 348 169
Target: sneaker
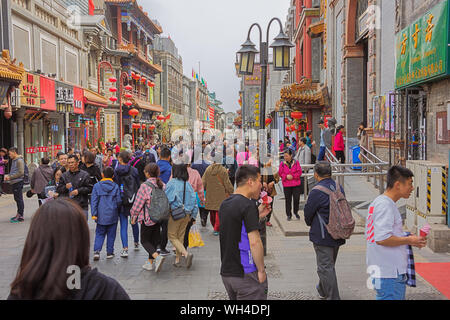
pixel 216 233
pixel 110 256
pixel 289 218
pixel 268 224
pixel 136 246
pixel 321 297
pixel 159 262
pixel 124 253
pixel 189 258
pixel 148 266
pixel 16 219
pixel 96 256
pixel 297 217
pixel 164 253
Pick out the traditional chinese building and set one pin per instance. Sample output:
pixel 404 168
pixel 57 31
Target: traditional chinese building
pixel 135 32
pixel 308 93
pixel 422 78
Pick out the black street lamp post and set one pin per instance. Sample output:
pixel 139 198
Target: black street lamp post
pixel 281 61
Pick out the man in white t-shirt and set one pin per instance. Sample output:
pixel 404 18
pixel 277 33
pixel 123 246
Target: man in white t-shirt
pixel 387 257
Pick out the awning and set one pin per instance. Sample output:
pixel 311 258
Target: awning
pixel 94 99
pixel 148 106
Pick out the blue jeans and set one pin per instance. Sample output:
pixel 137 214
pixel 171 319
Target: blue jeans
pixel 18 197
pixel 322 153
pixel 105 231
pixel 391 288
pixel 124 230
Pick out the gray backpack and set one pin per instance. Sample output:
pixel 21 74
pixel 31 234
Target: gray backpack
pixel 341 222
pixel 159 208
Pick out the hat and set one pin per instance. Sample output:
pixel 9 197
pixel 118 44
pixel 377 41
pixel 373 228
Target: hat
pixel 4 150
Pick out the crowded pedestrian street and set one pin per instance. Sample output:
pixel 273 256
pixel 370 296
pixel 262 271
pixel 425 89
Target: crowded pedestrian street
pixel 290 263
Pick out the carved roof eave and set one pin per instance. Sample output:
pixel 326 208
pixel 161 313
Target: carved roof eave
pixel 9 70
pixel 305 94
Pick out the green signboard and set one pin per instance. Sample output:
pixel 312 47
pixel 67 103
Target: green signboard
pixel 422 49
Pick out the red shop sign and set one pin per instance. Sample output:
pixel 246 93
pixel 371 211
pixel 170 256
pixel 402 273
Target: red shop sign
pixel 31 150
pixel 42 149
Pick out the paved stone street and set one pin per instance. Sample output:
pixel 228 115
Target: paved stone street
pixel 291 265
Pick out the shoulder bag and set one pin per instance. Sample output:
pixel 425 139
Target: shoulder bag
pixel 180 213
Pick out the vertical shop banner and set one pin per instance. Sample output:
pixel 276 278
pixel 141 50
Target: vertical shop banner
pixel 78 100
pixel 422 50
pixel 48 94
pixel 30 91
pixel 211 117
pixel 110 126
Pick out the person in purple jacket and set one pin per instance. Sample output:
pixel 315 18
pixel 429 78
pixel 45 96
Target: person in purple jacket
pixel 290 172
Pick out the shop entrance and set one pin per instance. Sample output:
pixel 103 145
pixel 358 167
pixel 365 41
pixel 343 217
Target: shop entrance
pixel 416 100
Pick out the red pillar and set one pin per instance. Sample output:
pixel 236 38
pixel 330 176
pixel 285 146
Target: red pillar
pixel 307 44
pixel 119 25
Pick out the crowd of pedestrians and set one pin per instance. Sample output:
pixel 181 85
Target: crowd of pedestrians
pixel 162 198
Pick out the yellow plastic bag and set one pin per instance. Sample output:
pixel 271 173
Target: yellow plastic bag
pixel 195 239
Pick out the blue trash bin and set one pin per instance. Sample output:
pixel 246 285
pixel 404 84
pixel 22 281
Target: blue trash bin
pixel 355 150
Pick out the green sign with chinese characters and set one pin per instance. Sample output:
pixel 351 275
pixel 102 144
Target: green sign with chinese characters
pixel 422 49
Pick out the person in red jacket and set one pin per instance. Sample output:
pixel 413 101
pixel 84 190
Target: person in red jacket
pixel 290 172
pixel 339 146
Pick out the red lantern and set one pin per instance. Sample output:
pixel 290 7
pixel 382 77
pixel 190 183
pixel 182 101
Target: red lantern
pixel 128 95
pixel 113 89
pixel 128 103
pixel 112 79
pixel 152 127
pixel 292 127
pixel 143 79
pixel 113 99
pixel 151 84
pixel 128 88
pixel 143 126
pixel 133 75
pixel 268 121
pixel 136 126
pixel 133 112
pixel 160 117
pixel 296 115
pixel 286 120
pixel 138 76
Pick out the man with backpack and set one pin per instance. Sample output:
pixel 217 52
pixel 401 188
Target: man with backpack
pixel 17 177
pixel 127 177
pixel 330 218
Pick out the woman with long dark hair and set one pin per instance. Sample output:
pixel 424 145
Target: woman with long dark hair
pixel 56 252
pixel 150 230
pixel 180 194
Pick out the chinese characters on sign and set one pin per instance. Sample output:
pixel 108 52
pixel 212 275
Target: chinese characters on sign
pixel 30 91
pixel 33 150
pixel 422 48
pixel 110 126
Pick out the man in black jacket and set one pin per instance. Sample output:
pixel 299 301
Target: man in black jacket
pixel 76 184
pixel 325 246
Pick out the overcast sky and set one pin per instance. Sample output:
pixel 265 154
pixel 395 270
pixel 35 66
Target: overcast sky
pixel 211 31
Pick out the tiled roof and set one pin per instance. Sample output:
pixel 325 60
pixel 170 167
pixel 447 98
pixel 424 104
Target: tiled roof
pixel 8 69
pixel 303 94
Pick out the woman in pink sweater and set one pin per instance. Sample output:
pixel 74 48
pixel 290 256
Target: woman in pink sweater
pixel 290 172
pixel 339 146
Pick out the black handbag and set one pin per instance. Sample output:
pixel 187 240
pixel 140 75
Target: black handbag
pixel 180 213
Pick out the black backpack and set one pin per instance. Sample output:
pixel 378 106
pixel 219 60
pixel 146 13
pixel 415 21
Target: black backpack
pixel 128 188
